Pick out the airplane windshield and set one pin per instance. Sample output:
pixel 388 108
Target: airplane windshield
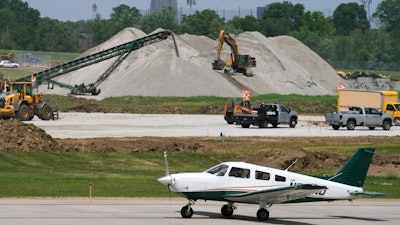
pixel 218 170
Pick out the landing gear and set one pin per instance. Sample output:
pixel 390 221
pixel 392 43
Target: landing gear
pixel 262 214
pixel 187 211
pixel 228 209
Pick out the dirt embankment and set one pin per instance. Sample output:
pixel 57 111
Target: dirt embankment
pixel 20 137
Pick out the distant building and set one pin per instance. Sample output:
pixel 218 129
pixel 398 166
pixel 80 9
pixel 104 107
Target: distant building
pixel 260 11
pixel 156 5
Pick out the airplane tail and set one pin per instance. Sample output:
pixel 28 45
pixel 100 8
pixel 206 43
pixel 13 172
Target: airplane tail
pixel 355 170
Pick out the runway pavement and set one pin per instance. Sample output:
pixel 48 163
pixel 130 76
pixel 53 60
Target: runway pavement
pixel 92 125
pixel 120 211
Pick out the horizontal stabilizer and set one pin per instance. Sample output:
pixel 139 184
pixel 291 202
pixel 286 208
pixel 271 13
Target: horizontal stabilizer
pixel 369 193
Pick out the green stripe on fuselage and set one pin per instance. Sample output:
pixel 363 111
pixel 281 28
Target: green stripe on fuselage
pixel 209 195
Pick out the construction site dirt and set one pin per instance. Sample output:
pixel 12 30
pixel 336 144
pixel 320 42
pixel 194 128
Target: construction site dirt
pixel 277 151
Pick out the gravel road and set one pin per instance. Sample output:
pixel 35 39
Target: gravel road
pixel 97 125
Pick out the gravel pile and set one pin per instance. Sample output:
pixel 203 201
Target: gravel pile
pixel 284 66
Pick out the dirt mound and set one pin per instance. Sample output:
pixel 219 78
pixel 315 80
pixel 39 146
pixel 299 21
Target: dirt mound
pixel 284 66
pixel 303 161
pixel 18 136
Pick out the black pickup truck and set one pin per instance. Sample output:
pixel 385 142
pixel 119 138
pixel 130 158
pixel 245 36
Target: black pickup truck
pixel 273 114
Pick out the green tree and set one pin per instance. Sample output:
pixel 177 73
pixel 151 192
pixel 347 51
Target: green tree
pixel 349 17
pixel 55 36
pixel 317 23
pixel 164 18
pixel 102 30
pixel 123 16
pixel 281 18
pixel 248 23
pixel 206 22
pixel 387 14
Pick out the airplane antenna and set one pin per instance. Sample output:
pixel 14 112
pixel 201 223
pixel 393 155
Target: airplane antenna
pixel 334 176
pixel 166 164
pixel 291 165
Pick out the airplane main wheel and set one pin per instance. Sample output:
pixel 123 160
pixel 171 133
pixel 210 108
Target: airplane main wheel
pixel 186 212
pixel 262 214
pixel 226 211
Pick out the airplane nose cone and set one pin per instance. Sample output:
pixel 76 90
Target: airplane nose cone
pixel 166 180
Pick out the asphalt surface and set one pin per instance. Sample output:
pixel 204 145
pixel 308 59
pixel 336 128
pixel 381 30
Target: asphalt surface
pixel 162 211
pixel 96 125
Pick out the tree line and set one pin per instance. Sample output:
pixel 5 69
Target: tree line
pixel 345 39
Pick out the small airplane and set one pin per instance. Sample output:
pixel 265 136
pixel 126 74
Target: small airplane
pixel 240 182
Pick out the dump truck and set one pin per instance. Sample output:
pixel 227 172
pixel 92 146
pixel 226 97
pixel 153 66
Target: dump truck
pixel 359 116
pixel 271 113
pixel 384 101
pixel 18 101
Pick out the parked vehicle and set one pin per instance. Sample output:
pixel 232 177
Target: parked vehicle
pixel 8 64
pixel 384 101
pixel 236 107
pixel 273 114
pixel 359 116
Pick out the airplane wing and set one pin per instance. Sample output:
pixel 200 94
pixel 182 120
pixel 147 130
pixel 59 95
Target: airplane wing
pixel 277 195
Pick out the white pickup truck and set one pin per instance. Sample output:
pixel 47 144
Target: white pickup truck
pixel 359 116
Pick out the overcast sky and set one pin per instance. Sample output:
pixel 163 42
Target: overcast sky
pixel 74 10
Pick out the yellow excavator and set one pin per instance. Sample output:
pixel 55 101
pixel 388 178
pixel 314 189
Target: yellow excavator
pixel 236 63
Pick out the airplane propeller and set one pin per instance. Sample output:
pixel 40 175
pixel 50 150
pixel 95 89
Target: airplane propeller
pixel 167 179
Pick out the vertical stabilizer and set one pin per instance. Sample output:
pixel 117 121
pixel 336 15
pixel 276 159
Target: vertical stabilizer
pixel 355 170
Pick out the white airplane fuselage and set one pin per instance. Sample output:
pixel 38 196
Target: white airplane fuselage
pixel 208 186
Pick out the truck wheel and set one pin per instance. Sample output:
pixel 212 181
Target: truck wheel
pixel 46 113
pixel 335 127
pixel 23 113
pixel 274 124
pixel 263 124
pixel 292 122
pixel 386 124
pixel 396 121
pixel 245 125
pixel 351 124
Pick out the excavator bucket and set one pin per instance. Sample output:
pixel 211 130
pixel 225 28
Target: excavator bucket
pixel 218 65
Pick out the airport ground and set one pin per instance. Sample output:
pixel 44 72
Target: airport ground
pixel 100 126
pixel 150 211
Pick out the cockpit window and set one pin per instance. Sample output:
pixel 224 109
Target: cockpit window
pixel 239 172
pixel 218 170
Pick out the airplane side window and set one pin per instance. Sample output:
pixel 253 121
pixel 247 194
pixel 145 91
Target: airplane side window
pixel 262 175
pixel 239 172
pixel 280 178
pixel 218 170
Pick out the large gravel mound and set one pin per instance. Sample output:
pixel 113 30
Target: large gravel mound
pixel 284 66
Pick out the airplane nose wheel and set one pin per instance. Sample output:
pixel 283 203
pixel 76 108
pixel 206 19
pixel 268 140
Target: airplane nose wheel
pixel 187 211
pixel 262 214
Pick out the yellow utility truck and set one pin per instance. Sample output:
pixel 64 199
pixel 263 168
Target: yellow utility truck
pixel 385 101
pixel 18 101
